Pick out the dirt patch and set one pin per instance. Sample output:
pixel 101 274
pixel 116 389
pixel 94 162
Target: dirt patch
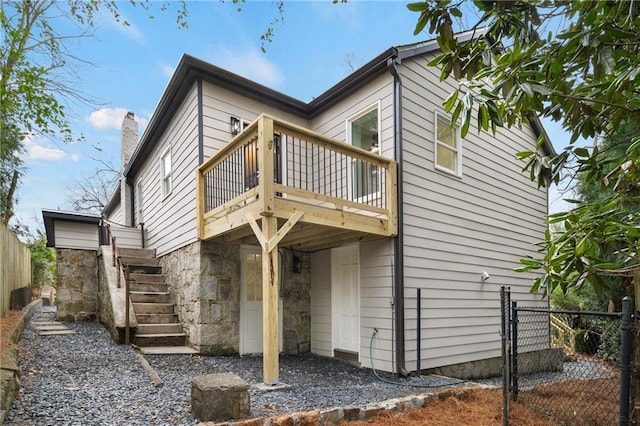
pixel 571 402
pixel 470 407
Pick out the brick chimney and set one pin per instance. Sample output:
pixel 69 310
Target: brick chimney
pixel 128 141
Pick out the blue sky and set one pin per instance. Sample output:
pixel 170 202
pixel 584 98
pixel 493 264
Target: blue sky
pixel 316 45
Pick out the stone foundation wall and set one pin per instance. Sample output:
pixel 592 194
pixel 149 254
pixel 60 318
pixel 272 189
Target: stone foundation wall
pixel 77 277
pixel 296 301
pixel 528 362
pixel 105 308
pixel 204 279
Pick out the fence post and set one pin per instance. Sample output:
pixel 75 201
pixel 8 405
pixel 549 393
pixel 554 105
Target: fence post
pixel 514 349
pixel 505 296
pixel 419 331
pixel 625 359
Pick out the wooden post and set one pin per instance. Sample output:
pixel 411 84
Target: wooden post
pixel 270 297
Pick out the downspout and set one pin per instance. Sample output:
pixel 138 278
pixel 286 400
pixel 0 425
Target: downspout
pixel 398 295
pixel 200 124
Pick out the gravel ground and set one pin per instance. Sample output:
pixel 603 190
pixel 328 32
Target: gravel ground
pixel 87 379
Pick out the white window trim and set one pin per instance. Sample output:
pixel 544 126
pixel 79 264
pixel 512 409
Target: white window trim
pixel 163 175
pixel 458 151
pixel 377 105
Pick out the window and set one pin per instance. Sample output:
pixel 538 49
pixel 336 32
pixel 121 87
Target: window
pixel 138 202
pixel 447 146
pixel 363 132
pixel 165 162
pixel 253 275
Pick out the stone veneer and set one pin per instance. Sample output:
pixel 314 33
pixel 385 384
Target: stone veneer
pixel 77 278
pixel 204 279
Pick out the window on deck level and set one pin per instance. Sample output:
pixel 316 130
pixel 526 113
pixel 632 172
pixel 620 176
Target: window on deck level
pixel 363 132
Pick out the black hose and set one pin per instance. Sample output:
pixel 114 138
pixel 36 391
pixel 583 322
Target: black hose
pixel 375 373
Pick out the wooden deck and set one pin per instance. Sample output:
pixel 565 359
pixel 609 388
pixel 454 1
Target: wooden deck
pixel 309 192
pixel 323 192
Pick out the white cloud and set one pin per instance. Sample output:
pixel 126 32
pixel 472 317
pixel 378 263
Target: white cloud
pixel 35 150
pixel 111 118
pixel 107 118
pixel 251 64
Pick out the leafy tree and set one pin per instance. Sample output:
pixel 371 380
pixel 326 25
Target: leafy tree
pixel 37 78
pixel 10 168
pixel 43 259
pixel 583 73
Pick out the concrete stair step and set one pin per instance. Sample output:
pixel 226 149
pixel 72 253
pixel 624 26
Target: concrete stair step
pixel 153 308
pixel 145 278
pixel 150 297
pixel 156 318
pixel 161 339
pixel 136 286
pixel 143 269
pixel 168 350
pixel 139 261
pixel 131 252
pixel 173 328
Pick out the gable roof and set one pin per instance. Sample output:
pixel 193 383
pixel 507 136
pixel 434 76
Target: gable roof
pixel 191 69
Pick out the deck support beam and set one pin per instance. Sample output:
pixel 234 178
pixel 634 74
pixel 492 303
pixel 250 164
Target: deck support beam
pixel 269 237
pixel 270 297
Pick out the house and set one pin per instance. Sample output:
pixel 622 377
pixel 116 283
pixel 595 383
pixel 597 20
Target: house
pixel 289 227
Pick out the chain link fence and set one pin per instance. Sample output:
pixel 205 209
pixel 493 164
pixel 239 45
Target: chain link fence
pixel 567 364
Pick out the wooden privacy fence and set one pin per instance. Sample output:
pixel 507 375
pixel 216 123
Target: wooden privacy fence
pixel 15 267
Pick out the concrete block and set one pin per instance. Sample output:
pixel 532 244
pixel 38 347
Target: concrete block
pixel 219 396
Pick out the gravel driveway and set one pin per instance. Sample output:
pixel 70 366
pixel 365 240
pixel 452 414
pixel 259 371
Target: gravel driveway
pixel 87 379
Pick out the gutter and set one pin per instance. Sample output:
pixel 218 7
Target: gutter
pixel 398 286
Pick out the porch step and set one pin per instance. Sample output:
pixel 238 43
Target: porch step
pixel 147 278
pixel 168 350
pixel 156 318
pixel 160 339
pixel 139 261
pixel 170 328
pixel 132 252
pixel 135 286
pixel 153 308
pixel 150 297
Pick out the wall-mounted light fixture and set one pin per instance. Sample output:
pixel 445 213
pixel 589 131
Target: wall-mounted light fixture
pixel 236 126
pixel 485 275
pixel 297 265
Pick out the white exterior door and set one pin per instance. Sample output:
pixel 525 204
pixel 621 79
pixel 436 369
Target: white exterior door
pixel 251 303
pixel 345 298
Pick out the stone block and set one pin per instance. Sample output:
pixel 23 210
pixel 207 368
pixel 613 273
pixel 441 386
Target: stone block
pixel 219 396
pixel 351 413
pixel 331 417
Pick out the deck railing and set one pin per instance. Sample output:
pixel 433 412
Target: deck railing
pixel 300 166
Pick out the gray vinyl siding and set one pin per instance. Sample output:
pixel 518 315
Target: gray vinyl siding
pixel 376 310
pixel 376 257
pixel 457 227
pixel 170 221
pixel 116 215
pixel 72 235
pixel 127 237
pixel 321 303
pixel 332 123
pixel 219 105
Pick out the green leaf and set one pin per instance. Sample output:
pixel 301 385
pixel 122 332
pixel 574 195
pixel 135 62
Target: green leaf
pixel 450 101
pixel 417 7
